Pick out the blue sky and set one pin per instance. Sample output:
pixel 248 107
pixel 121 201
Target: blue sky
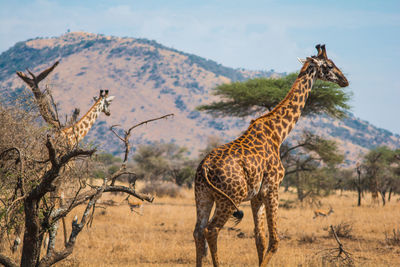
pixel 362 37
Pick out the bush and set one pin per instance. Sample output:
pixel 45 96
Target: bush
pixel 161 189
pixel 287 204
pixel 307 238
pixel 394 238
pixel 342 229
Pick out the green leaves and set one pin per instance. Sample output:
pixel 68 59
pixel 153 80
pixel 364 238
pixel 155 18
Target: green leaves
pixel 244 98
pixel 161 161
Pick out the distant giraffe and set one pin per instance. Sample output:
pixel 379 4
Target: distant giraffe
pixel 249 168
pixel 70 137
pixel 78 131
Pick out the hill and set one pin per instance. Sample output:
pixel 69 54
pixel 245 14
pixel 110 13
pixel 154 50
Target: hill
pixel 150 80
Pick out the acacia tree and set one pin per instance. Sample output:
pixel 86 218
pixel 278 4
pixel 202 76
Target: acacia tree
pixel 241 99
pixel 308 151
pixel 382 172
pixel 160 161
pixel 303 163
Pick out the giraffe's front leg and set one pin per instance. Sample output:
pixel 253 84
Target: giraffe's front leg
pixel 258 209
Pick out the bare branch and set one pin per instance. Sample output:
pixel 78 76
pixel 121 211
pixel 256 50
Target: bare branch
pixel 117 135
pixel 52 151
pixel 76 229
pixel 82 198
pixel 145 122
pixel 7 262
pixel 47 112
pixel 129 191
pixel 46 72
pixel 127 135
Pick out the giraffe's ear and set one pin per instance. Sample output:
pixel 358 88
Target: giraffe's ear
pixel 110 98
pixel 95 98
pixel 301 60
pixel 314 60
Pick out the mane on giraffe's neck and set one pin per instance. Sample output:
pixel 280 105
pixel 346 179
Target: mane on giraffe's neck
pixel 78 131
pixel 282 118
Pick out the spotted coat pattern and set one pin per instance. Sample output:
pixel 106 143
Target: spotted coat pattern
pixel 249 168
pixel 78 131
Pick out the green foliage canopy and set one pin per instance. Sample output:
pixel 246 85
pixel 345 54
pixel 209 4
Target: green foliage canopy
pixel 161 161
pixel 382 170
pixel 255 95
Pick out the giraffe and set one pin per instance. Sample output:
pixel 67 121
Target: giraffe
pixel 70 136
pixel 78 131
pixel 249 168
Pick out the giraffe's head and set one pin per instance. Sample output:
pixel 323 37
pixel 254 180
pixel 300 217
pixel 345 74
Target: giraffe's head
pixel 326 69
pixel 105 101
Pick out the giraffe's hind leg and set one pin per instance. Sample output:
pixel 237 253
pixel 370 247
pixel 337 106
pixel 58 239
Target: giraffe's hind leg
pixel 203 210
pixel 258 209
pixel 271 204
pixel 223 211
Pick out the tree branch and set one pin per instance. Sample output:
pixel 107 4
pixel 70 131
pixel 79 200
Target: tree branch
pixel 56 165
pixel 7 262
pixel 45 109
pixel 82 198
pixel 145 122
pixel 126 137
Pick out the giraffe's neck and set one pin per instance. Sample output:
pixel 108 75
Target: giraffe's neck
pixel 281 120
pixel 78 131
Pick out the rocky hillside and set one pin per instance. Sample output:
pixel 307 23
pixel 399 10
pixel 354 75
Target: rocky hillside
pixel 150 80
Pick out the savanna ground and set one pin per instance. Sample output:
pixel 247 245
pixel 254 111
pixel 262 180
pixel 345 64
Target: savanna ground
pixel 162 234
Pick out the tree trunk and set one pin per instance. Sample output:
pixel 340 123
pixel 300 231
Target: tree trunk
pixel 383 195
pixel 300 193
pixel 390 194
pixel 359 188
pixel 31 243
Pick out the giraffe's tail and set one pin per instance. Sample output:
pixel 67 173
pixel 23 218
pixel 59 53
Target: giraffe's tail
pixel 238 214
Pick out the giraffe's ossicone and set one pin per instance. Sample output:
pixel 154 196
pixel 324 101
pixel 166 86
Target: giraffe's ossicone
pixel 249 168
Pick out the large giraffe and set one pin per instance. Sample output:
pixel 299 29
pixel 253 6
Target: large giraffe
pixel 249 168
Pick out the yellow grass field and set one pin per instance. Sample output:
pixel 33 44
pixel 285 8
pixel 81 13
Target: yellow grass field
pixel 162 234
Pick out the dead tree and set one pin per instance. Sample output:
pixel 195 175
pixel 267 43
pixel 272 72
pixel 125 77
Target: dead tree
pixel 337 256
pixel 34 175
pixel 39 217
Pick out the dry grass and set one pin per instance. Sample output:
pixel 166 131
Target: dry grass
pixel 162 236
